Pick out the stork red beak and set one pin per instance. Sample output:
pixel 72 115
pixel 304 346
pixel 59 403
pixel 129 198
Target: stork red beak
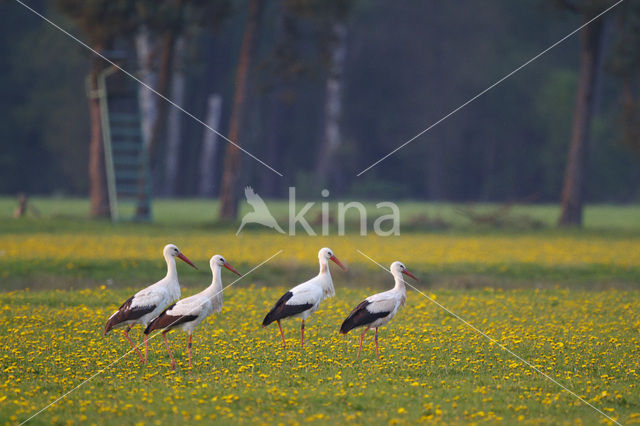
pixel 335 259
pixel 183 257
pixel 229 267
pixel 407 272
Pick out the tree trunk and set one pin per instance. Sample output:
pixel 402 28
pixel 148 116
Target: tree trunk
pixel 441 138
pixel 210 147
pixel 21 210
pixel 276 110
pixel 145 52
pixel 277 103
pixel 231 173
pixel 591 56
pixel 174 131
pixel 333 108
pixel 164 77
pixel 97 177
pixel 157 130
pixel 630 115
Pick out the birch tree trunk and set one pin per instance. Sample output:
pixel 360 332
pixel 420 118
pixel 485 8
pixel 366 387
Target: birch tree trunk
pixel 333 107
pixel 208 157
pixel 174 124
pixel 591 57
pixel 97 176
pixel 145 52
pixel 232 163
pixel 164 77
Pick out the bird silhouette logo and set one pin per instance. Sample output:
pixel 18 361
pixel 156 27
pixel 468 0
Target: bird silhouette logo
pixel 260 214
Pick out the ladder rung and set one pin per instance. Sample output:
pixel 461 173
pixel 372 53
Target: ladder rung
pixel 125 146
pixel 132 188
pixel 122 95
pixel 117 131
pixel 131 197
pixel 131 192
pixel 119 139
pixel 127 175
pixel 126 161
pixel 118 117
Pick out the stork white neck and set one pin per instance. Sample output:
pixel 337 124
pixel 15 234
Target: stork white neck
pixel 324 278
pixel 215 288
pixel 172 270
pixel 324 266
pixel 399 281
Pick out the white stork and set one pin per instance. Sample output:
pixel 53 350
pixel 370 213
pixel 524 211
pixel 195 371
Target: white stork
pixel 304 299
pixel 377 310
pixel 189 312
pixel 147 304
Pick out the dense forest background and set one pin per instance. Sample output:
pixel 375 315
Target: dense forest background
pixel 396 67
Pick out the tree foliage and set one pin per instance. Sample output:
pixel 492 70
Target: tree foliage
pixel 407 67
pixel 101 21
pixel 625 64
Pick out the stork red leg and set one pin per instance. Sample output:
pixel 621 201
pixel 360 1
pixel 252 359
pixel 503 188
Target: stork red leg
pixel 173 363
pixel 281 333
pixel 146 347
pixel 302 334
pixel 126 334
pixel 376 339
pixel 361 339
pixel 189 349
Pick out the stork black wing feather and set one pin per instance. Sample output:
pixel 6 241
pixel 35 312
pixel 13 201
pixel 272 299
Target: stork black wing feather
pixel 127 313
pixel 282 310
pixel 166 321
pixel 361 316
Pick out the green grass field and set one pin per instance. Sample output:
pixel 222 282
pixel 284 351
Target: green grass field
pixel 566 300
pixel 203 213
pixel 433 367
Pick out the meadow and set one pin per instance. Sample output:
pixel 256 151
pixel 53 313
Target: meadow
pixel 568 301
